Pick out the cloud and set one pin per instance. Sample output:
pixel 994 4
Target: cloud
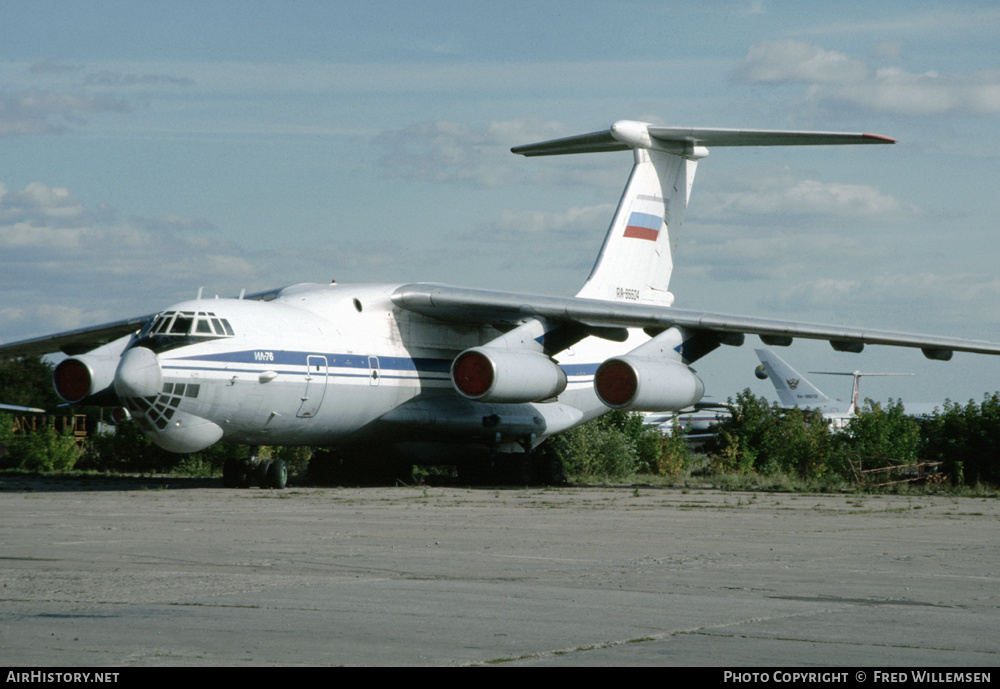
pixel 790 61
pixel 896 91
pixel 64 265
pixel 109 78
pixel 445 151
pixel 37 203
pixel 944 299
pixel 785 199
pixel 53 67
pixel 35 112
pixel 832 78
pixel 176 223
pixel 456 152
pixel 524 225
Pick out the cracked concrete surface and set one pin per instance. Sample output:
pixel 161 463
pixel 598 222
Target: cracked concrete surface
pixel 172 572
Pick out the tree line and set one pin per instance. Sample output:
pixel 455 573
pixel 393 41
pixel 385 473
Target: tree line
pixel 758 438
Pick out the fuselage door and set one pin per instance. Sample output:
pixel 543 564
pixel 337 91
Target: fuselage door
pixel 315 390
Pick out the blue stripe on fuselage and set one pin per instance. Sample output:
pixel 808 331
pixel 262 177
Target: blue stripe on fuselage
pixel 265 358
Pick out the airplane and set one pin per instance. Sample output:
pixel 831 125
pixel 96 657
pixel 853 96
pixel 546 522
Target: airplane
pixel 696 422
pixel 795 390
pixel 386 376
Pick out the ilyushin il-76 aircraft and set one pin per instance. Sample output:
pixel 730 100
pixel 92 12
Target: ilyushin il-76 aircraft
pixel 385 376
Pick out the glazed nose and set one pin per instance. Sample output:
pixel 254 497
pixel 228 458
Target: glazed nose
pixel 138 374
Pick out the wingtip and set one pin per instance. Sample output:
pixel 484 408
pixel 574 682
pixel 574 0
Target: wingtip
pixel 880 139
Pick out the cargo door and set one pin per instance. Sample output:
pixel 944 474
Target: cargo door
pixel 315 389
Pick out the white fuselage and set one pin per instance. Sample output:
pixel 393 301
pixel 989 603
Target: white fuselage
pixel 334 364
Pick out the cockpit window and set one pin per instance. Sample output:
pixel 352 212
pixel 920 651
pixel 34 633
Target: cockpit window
pixel 184 323
pixel 162 323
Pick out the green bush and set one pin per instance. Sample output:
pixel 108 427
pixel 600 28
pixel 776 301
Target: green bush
pixel 768 439
pixel 663 454
pixel 616 446
pixel 884 433
pixel 764 438
pixel 126 449
pixel 967 440
pixel 600 448
pixel 43 450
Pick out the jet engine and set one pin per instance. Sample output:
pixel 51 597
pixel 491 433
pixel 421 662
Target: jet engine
pixel 635 383
pixel 83 377
pixel 90 376
pixel 486 374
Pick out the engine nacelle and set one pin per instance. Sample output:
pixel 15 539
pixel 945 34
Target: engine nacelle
pixel 637 384
pixel 501 375
pixel 89 377
pixel 84 377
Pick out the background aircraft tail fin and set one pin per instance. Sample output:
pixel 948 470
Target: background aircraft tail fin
pixel 636 260
pixel 792 387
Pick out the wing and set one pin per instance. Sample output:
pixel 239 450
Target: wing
pixel 27 410
pixel 74 342
pixel 480 306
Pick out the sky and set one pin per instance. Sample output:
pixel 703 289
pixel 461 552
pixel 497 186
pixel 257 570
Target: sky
pixel 151 149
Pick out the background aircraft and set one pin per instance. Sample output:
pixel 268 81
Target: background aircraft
pixel 392 375
pixel 795 390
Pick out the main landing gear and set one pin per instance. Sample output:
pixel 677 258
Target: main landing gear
pixel 537 467
pixel 243 473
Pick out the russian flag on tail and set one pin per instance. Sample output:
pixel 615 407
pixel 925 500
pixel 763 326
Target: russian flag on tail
pixel 643 226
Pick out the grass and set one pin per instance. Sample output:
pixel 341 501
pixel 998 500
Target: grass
pixel 697 477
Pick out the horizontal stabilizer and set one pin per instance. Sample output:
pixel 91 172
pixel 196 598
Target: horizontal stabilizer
pixel 596 142
pixel 626 134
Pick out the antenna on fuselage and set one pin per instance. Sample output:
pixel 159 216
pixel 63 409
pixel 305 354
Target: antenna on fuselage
pixel 242 292
pixel 200 290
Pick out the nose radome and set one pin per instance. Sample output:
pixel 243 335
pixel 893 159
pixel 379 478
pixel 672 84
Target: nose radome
pixel 138 374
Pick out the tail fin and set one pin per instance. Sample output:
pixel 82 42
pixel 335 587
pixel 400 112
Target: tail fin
pixel 795 391
pixel 792 388
pixel 636 260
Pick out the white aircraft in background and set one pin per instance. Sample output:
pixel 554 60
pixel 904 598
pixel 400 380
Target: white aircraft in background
pixel 388 375
pixel 794 390
pixel 697 423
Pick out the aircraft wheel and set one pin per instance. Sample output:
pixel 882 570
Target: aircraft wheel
pixel 513 468
pixel 231 473
pixel 277 474
pixel 474 472
pixel 261 473
pixel 548 469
